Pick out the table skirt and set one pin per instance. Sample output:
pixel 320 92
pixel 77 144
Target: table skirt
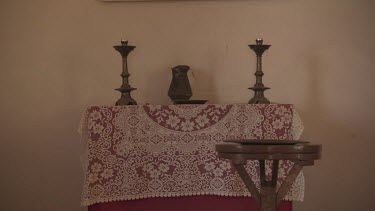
pixel 186 203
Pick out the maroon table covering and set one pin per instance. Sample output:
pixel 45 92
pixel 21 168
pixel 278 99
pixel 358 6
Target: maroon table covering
pixel 186 203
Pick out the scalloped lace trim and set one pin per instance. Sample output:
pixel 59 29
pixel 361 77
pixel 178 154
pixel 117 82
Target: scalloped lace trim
pixel 165 195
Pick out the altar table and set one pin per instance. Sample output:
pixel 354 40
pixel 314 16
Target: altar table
pixel 162 157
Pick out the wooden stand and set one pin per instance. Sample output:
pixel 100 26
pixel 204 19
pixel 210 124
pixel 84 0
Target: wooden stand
pixel 269 197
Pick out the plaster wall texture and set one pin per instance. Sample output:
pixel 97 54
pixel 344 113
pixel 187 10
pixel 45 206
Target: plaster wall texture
pixel 56 58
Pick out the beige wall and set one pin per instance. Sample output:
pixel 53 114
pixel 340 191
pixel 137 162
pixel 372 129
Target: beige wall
pixel 56 58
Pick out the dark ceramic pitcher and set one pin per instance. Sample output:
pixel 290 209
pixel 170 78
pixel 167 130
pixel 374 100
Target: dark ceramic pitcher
pixel 180 87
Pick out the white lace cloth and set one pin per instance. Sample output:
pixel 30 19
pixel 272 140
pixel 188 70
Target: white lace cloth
pixel 133 152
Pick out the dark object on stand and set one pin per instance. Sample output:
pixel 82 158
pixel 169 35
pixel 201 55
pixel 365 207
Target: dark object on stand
pixel 126 99
pixel 269 196
pixel 259 87
pixel 180 87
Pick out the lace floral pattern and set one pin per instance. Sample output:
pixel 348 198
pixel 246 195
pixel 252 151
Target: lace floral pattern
pixel 154 151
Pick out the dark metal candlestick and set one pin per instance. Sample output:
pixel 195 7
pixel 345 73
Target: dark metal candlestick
pixel 126 99
pixel 259 87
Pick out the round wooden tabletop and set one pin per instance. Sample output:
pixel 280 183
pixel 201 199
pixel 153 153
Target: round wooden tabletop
pixel 240 152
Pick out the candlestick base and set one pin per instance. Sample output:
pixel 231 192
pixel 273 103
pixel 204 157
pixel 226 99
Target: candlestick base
pixel 126 101
pixel 126 98
pixel 259 97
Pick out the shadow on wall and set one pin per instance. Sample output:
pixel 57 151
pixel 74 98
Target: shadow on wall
pixel 326 178
pixel 203 85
